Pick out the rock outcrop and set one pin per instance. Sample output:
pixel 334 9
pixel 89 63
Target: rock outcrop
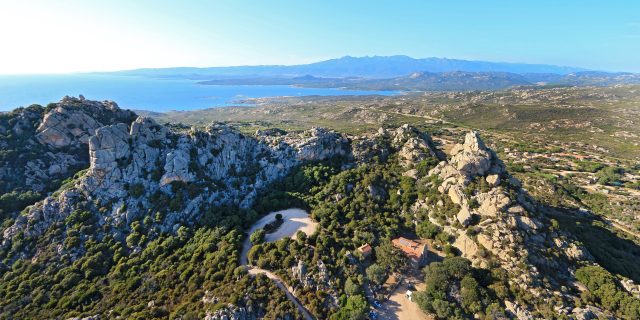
pixel 51 143
pixel 148 156
pixel 411 145
pixel 511 226
pixel 73 121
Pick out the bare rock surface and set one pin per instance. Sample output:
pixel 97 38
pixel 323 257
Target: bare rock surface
pixel 512 227
pixel 146 155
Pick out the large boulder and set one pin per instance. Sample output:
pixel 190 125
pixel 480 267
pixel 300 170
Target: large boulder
pixel 492 202
pixel 63 126
pixel 464 216
pixel 473 157
pixel 176 167
pixel 322 144
pixel 109 144
pixel 493 180
pixel 468 248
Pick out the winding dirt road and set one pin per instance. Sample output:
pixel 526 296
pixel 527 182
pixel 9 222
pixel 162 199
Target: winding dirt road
pixel 294 220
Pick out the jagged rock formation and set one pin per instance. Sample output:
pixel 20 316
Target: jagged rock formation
pixel 52 143
pixel 134 164
pixel 146 155
pixel 73 121
pixel 511 229
pixel 411 145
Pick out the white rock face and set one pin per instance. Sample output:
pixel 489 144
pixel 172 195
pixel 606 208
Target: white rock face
pixel 493 180
pixel 176 168
pixel 511 227
pixel 322 144
pixel 518 311
pixel 63 132
pixel 493 202
pixel 473 158
pixel 412 146
pixel 464 216
pixel 73 121
pixel 61 127
pixel 147 154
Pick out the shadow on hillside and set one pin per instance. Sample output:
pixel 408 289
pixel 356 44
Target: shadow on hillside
pixel 433 257
pixel 611 250
pixel 390 311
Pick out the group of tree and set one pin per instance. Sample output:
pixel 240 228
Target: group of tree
pixel 456 290
pixel 605 291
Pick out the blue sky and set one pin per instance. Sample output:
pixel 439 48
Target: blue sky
pixel 70 36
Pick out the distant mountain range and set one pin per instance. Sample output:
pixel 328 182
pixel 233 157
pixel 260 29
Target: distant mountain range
pixel 443 81
pixel 395 73
pixel 366 67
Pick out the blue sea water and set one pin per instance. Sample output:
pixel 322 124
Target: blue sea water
pixel 141 93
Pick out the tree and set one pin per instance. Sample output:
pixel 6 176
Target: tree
pixel 183 233
pixel 257 236
pixel 254 254
pixel 427 230
pixel 443 308
pixel 376 273
pixel 301 236
pixel 609 175
pixel 239 272
pixel 354 309
pixel 454 275
pixel 351 287
pixel 390 257
pixel 136 190
pixel 470 294
pixel 604 288
pixel 278 216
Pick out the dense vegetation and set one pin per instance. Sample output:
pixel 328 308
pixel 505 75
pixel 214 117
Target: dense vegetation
pixel 196 269
pixel 366 204
pixel 455 290
pixel 604 290
pixel 138 272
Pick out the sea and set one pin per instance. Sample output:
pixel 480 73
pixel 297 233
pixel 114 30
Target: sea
pixel 142 93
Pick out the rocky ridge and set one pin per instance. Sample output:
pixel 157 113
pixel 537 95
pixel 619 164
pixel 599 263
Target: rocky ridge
pixel 133 162
pixel 148 157
pixel 508 227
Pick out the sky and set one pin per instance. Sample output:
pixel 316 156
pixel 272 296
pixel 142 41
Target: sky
pixel 85 35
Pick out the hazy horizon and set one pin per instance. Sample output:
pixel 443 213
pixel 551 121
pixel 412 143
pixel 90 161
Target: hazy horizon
pixel 73 36
pixel 292 64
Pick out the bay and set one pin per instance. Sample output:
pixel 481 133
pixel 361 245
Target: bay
pixel 141 93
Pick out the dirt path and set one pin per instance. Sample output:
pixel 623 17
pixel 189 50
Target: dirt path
pixel 399 307
pixel 294 220
pixel 614 223
pixel 287 290
pixel 415 116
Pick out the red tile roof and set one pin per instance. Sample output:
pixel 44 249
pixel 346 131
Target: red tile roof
pixel 409 247
pixel 365 249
